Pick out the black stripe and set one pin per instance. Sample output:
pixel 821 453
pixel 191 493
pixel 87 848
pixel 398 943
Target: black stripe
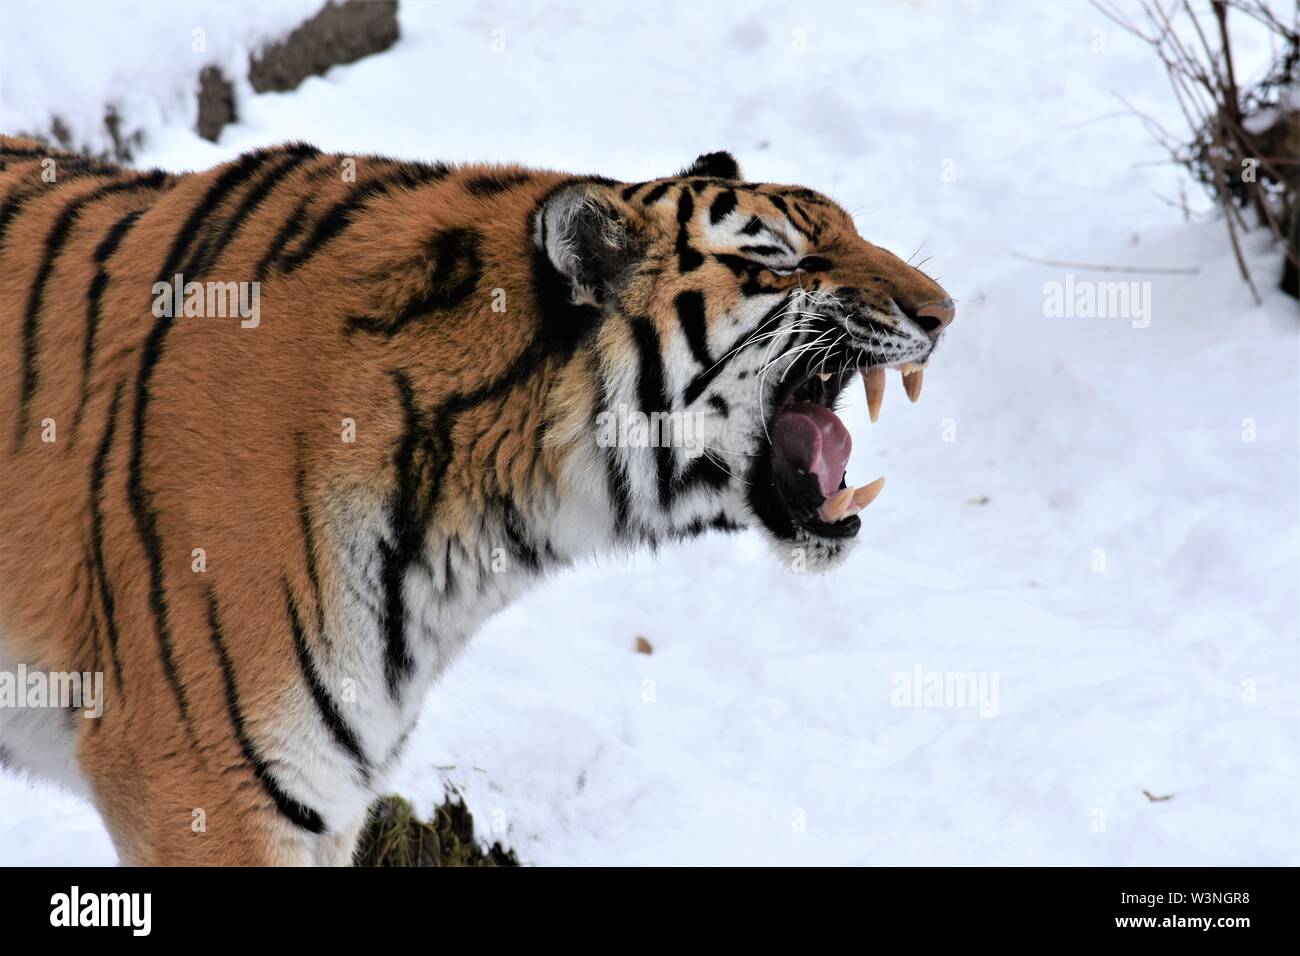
pixel 339 729
pixel 421 461
pixel 30 377
pixel 522 549
pixel 140 497
pixel 629 192
pixel 16 187
pixel 701 381
pixel 690 314
pixel 652 397
pixel 753 270
pixel 408 517
pixel 96 642
pixel 688 259
pixel 396 750
pixel 29 151
pixel 455 267
pixel 54 242
pixel 722 206
pixel 808 220
pixel 341 215
pixel 12 205
pixel 98 470
pixel 703 470
pixel 308 536
pixel 807 195
pixel 620 494
pixel 739 265
pixel 94 299
pixel 209 254
pixel 719 522
pixel 450 585
pixel 654 195
pixel 72 163
pixel 65 166
pixel 754 286
pixel 291 227
pixel 233 176
pixel 779 203
pixel 299 814
pixel 491 184
pixel 616 481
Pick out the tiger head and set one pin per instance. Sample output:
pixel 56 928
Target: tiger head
pixel 735 315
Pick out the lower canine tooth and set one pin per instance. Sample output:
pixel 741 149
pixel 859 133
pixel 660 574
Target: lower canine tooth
pixel 824 376
pixel 833 508
pixel 912 384
pixel 874 381
pixel 867 494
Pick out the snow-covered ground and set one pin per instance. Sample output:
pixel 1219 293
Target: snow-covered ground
pixel 1095 520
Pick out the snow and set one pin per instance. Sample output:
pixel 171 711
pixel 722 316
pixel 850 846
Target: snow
pixel 141 57
pixel 1099 518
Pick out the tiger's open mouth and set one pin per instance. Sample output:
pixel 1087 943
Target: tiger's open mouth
pixel 800 483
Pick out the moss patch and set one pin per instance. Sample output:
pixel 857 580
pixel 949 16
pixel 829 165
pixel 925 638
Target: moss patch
pixel 395 836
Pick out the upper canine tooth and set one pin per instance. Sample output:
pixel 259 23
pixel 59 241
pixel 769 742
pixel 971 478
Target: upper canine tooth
pixel 834 507
pixel 874 381
pixel 912 384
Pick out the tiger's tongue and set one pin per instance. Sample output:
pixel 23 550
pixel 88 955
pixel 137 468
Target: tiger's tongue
pixel 813 439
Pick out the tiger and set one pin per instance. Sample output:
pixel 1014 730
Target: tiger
pixel 269 525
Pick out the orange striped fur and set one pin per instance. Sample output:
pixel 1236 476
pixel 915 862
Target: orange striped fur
pixel 271 539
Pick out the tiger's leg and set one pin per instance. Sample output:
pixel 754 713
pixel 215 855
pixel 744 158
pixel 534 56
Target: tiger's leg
pixel 213 782
pixel 338 849
pixel 248 772
pixel 164 809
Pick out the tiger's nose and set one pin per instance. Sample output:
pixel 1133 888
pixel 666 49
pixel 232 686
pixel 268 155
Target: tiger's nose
pixel 934 317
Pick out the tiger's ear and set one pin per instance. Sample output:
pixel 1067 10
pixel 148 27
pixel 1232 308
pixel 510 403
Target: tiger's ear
pixel 588 238
pixel 721 164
